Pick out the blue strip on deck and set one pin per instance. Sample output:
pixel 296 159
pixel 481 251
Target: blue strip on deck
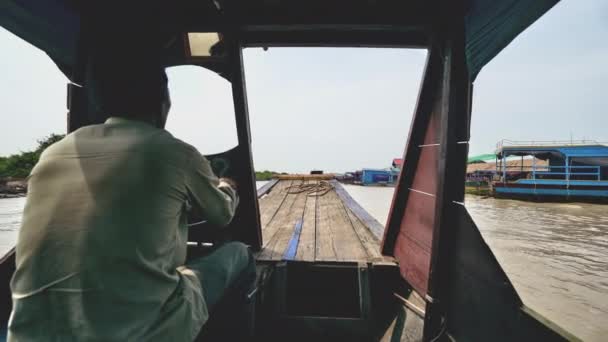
pixel 562 182
pixel 553 192
pixel 292 248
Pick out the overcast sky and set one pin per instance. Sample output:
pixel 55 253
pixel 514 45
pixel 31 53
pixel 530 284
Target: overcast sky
pixel 344 109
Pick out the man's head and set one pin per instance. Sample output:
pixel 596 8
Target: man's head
pixel 126 78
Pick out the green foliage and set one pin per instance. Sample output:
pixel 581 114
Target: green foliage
pixel 265 175
pixel 20 165
pixel 48 141
pixel 3 161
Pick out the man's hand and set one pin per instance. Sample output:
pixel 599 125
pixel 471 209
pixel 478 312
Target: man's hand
pixel 230 182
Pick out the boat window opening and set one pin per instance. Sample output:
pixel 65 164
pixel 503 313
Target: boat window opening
pixel 202 110
pixel 537 207
pixel 33 96
pixel 339 110
pixel 201 44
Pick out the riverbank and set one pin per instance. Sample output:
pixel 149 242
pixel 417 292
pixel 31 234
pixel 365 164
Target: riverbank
pixel 13 188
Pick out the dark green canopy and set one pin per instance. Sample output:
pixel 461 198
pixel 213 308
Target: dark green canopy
pixel 482 158
pixel 490 25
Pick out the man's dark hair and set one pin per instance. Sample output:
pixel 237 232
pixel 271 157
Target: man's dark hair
pixel 125 76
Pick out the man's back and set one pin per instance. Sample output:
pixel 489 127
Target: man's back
pixel 103 232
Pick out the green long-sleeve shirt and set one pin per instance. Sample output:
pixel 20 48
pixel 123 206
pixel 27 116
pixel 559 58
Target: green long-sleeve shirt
pixel 103 233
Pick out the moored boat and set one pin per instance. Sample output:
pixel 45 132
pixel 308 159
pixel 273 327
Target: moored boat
pixel 567 171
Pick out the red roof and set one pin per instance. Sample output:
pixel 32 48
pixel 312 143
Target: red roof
pixel 397 161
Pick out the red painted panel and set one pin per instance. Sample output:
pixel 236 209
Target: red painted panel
pixel 414 262
pixel 432 133
pixel 417 223
pixel 425 179
pixel 413 246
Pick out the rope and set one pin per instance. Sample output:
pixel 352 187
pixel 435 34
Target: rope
pixel 316 189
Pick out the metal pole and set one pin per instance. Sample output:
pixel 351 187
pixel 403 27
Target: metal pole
pixel 504 168
pixel 567 170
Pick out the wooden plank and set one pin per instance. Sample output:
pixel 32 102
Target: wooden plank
pixel 307 245
pixel 347 243
pixel 283 204
pixel 281 239
pixel 337 239
pixel 324 246
pixel 369 221
pixel 283 219
pixel 326 176
pixel 368 240
pixel 270 204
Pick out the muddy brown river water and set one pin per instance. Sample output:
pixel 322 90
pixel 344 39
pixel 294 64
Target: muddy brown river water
pixel 555 254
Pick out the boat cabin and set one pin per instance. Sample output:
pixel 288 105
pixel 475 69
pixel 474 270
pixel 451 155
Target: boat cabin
pixel 326 271
pixel 575 170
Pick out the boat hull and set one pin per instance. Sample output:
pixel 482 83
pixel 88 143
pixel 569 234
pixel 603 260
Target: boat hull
pixel 553 190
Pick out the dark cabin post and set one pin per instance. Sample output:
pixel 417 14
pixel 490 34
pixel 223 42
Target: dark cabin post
pixel 77 115
pixel 247 185
pixel 455 112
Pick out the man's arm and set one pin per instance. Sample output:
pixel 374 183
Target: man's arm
pixel 216 200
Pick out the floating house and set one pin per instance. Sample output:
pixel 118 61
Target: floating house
pixel 379 176
pixel 557 171
pixel 397 163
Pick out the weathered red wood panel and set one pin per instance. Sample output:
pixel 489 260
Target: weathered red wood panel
pixel 414 242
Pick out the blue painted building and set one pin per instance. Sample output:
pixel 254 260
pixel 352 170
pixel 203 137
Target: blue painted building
pixel 379 176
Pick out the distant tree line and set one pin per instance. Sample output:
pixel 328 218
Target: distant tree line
pixel 20 165
pixel 266 175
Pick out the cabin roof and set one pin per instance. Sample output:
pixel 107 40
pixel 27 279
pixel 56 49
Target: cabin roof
pixel 489 25
pixel 511 164
pixel 481 158
pixel 580 151
pixel 375 170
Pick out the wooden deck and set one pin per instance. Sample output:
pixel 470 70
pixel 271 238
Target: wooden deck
pixel 324 226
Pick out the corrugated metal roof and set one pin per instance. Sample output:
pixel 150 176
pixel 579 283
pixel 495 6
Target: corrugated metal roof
pixel 482 158
pixel 511 165
pixel 569 151
pixel 585 151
